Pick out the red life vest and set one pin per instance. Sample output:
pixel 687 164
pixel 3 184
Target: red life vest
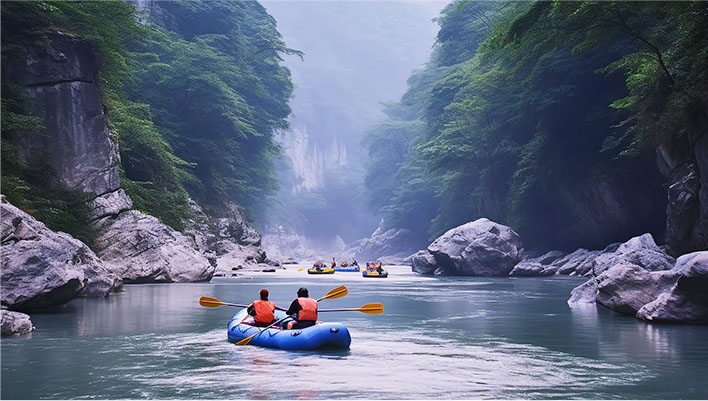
pixel 309 309
pixel 264 311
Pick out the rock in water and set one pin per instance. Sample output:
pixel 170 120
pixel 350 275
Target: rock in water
pixel 43 269
pixel 423 262
pixel 641 251
pixel 625 288
pixel 140 249
pixel 478 248
pixel 687 299
pixel 538 266
pixel 578 263
pixel 584 294
pixel 15 323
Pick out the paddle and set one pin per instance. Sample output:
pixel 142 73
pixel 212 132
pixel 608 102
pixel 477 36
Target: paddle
pixel 211 302
pixel 335 293
pixel 370 309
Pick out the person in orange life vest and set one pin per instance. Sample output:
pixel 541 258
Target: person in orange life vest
pixel 262 310
pixel 305 308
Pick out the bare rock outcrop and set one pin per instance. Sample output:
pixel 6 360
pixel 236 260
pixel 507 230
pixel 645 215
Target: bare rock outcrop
pixel 44 269
pixel 14 323
pixel 478 248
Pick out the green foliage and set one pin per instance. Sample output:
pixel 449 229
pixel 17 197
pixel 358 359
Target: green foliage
pixel 535 97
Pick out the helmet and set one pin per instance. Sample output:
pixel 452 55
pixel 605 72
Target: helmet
pixel 302 292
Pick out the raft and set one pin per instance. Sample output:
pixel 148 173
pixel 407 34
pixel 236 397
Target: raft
pixel 320 336
pixel 347 269
pixel 369 273
pixel 328 270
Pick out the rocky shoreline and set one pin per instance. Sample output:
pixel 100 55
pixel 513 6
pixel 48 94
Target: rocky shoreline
pixel 636 277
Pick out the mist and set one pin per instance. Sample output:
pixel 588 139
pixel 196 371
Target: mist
pixel 357 56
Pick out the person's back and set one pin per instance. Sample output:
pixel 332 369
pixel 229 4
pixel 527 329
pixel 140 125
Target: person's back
pixel 305 310
pixel 262 310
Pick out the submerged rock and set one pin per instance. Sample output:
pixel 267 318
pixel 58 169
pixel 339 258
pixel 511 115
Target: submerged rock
pixel 15 323
pixel 687 299
pixel 44 269
pixel 478 248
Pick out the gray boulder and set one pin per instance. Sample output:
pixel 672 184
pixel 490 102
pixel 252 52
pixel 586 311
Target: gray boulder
pixel 43 269
pixel 687 299
pixel 423 262
pixel 140 249
pixel 478 248
pixel 584 294
pixel 625 288
pixel 110 204
pixel 228 242
pixel 15 323
pixel 538 266
pixel 641 251
pixel 577 263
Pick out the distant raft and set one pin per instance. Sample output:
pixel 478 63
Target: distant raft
pixel 320 336
pixel 312 270
pixel 347 269
pixel 374 273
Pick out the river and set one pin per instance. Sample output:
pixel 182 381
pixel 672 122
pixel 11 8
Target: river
pixel 449 338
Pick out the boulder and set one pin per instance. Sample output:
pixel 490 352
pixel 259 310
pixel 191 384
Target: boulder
pixel 140 249
pixel 641 251
pixel 625 288
pixel 687 299
pixel 15 323
pixel 43 269
pixel 110 204
pixel 423 262
pixel 228 241
pixel 478 248
pixel 538 266
pixel 584 294
pixel 577 263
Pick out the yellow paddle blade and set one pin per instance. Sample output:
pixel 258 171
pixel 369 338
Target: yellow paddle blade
pixel 372 309
pixel 210 302
pixel 301 269
pixel 335 293
pixel 247 340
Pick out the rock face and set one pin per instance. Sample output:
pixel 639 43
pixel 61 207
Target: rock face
pixel 584 294
pixel 227 242
pixel 390 246
pixel 641 251
pixel 15 323
pixel 43 269
pixel 683 160
pixel 76 147
pixel 687 299
pixel 140 249
pixel 478 248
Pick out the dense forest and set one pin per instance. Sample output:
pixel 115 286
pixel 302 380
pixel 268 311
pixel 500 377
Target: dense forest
pixel 544 116
pixel 193 92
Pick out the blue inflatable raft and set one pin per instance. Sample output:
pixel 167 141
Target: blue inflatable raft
pixel 347 269
pixel 319 336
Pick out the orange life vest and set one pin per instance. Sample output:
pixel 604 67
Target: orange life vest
pixel 309 309
pixel 264 311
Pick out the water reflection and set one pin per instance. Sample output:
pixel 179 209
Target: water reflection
pixel 448 338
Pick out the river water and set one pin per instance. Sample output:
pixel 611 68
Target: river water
pixel 448 338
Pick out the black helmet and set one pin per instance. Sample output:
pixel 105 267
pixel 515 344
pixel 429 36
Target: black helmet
pixel 302 292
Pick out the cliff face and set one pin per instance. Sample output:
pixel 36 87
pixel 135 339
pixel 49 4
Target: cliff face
pixel 683 160
pixel 76 146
